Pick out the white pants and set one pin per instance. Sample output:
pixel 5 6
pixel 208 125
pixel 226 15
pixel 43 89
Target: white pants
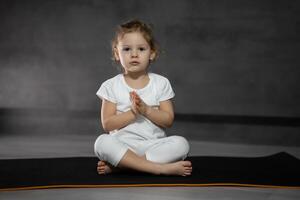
pixel 163 150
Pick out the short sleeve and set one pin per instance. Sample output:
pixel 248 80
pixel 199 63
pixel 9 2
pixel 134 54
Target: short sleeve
pixel 166 92
pixel 106 92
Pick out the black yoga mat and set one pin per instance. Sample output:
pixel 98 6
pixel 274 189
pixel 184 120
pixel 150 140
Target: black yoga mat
pixel 278 170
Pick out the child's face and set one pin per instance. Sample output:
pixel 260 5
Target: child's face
pixel 134 52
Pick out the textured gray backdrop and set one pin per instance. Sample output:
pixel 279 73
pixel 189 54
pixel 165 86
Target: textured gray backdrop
pixel 222 56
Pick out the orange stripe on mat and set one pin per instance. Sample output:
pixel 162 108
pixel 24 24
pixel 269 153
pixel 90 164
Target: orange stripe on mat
pixel 151 185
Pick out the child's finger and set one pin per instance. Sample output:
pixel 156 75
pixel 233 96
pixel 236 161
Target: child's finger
pixel 137 97
pixel 132 96
pixel 137 100
pixel 133 93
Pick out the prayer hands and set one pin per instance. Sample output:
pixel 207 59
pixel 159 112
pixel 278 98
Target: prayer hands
pixel 138 105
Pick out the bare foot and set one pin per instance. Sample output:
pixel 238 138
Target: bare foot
pixel 182 168
pixel 104 167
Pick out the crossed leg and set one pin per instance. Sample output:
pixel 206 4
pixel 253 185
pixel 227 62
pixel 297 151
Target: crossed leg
pixel 162 158
pixel 139 163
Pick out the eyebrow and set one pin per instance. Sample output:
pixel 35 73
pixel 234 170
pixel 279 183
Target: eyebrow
pixel 127 45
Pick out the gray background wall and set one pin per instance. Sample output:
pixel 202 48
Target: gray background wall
pixel 228 57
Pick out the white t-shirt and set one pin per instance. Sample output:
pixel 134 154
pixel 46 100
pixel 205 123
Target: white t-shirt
pixel 116 90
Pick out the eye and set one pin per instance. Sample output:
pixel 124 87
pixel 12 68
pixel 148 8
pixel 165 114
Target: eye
pixel 142 48
pixel 126 49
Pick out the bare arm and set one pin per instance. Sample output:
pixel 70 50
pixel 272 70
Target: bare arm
pixel 111 120
pixel 163 116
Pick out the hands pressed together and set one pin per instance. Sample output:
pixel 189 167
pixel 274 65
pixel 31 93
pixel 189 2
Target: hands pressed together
pixel 138 106
pixel 162 116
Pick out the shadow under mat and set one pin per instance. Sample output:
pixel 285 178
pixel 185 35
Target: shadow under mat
pixel 280 170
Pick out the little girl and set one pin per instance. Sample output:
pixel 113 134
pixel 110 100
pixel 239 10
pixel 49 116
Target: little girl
pixel 136 108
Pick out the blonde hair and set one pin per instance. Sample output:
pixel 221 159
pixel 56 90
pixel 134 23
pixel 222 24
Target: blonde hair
pixel 135 26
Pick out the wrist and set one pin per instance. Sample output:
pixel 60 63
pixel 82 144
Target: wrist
pixel 134 114
pixel 148 110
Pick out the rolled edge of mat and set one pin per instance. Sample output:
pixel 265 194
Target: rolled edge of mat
pixel 150 185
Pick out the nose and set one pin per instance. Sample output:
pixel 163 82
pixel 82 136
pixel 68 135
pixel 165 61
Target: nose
pixel 134 53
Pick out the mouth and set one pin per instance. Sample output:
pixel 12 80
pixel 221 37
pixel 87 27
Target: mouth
pixel 134 63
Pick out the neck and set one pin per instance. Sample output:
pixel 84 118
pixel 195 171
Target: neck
pixel 136 75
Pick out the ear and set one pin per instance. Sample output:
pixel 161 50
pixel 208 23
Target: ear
pixel 152 55
pixel 116 54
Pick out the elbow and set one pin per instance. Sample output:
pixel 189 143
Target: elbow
pixel 168 125
pixel 106 127
pixel 106 130
pixel 170 121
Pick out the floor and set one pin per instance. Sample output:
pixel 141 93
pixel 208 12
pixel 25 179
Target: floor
pixel 65 145
pixel 166 193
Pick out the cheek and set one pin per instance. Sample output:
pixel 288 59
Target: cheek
pixel 145 55
pixel 123 56
pixel 123 62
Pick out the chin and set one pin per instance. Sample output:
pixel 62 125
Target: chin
pixel 136 69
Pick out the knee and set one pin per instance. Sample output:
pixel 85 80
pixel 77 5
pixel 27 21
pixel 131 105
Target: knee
pixel 102 145
pixel 181 144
